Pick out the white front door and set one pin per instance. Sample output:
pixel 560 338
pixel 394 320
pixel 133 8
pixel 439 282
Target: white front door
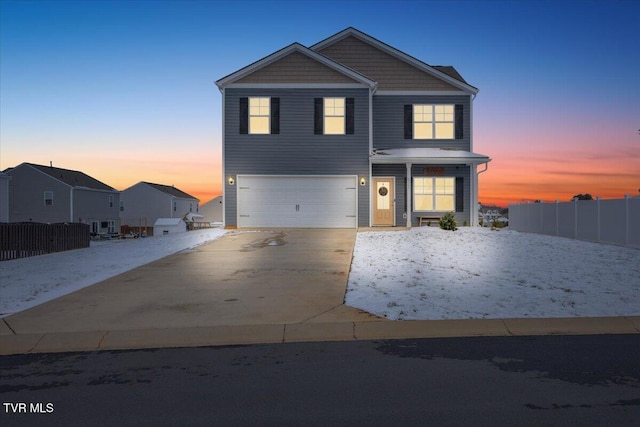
pixel 297 201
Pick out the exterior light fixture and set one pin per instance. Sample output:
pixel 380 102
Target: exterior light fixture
pixel 231 180
pixel 363 181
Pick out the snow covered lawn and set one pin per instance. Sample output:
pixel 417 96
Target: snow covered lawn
pixel 429 273
pixel 27 282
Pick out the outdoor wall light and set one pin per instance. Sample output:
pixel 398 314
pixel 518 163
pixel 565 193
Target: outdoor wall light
pixel 363 181
pixel 231 180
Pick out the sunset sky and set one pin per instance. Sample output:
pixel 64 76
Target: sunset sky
pixel 124 90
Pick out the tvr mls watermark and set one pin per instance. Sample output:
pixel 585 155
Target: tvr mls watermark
pixel 27 408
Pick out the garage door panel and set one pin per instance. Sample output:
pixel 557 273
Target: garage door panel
pixel 297 201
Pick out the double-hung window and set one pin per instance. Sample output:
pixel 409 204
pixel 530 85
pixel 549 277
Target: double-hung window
pixel 259 115
pixel 334 116
pixel 434 194
pixel 48 198
pixel 433 121
pixel 110 201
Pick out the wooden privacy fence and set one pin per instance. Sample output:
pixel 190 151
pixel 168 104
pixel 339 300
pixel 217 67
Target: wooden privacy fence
pixel 609 221
pixel 25 239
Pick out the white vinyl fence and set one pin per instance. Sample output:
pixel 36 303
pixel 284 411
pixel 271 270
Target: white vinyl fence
pixel 608 221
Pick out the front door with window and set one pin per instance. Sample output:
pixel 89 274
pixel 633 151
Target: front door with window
pixel 383 201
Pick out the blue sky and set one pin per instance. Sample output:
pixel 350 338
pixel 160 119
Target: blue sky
pixel 124 90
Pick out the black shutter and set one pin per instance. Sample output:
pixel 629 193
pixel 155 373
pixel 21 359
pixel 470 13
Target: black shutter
pixel 244 115
pixel 350 116
pixel 408 122
pixel 275 116
pixel 459 121
pixel 459 194
pixel 318 116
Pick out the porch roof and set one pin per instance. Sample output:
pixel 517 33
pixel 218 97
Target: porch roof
pixel 429 156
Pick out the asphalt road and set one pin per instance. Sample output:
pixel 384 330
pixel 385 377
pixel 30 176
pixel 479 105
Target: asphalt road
pixel 511 381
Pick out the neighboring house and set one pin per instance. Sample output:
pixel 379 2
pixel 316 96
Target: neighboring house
pixel 49 194
pixel 143 203
pixel 349 132
pixel 4 197
pixel 212 210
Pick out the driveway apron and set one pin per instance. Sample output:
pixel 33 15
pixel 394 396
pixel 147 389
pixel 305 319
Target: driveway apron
pixel 244 278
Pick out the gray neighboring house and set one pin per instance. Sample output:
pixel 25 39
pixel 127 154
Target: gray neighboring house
pixel 49 194
pixel 143 203
pixel 4 197
pixel 349 132
pixel 212 210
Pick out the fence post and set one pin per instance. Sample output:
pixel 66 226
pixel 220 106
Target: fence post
pixel 627 240
pixel 557 218
pixel 598 216
pixel 575 218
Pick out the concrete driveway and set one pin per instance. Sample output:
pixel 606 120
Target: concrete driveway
pixel 244 278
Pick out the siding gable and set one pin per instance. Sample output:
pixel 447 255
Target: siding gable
pixel 296 68
pixel 390 72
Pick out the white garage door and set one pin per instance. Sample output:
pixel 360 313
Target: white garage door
pixel 297 201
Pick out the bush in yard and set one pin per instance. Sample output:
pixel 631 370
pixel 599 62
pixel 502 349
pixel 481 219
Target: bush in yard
pixel 448 222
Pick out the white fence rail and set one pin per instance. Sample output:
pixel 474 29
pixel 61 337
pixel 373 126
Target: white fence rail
pixel 608 221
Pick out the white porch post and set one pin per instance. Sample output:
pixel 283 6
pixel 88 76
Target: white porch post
pixel 473 169
pixel 409 195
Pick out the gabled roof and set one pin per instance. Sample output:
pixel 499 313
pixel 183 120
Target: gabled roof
pixel 295 47
pixel 446 73
pixel 75 179
pixel 170 190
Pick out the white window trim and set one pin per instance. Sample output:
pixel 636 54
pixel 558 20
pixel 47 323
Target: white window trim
pixel 434 193
pixel 343 115
pixel 434 121
pixel 268 116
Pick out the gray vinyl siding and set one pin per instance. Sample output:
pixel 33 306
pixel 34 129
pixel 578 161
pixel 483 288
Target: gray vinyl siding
pixel 26 195
pixel 93 205
pixel 399 172
pixel 296 150
pixel 388 121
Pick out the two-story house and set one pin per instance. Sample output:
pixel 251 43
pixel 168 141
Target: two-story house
pixel 50 194
pixel 143 203
pixel 349 132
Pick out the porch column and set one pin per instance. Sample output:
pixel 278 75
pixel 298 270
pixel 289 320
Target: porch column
pixel 473 221
pixel 409 195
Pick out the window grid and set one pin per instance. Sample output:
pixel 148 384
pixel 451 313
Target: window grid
pixel 334 116
pixel 259 113
pixel 433 121
pixel 434 194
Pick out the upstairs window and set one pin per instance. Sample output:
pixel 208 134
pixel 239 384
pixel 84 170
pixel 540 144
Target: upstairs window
pixel 48 198
pixel 110 201
pixel 433 121
pixel 260 115
pixel 121 205
pixel 334 116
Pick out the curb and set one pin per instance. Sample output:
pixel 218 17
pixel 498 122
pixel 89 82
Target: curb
pixel 60 342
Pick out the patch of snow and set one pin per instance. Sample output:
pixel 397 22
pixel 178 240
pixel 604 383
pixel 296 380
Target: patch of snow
pixel 478 273
pixel 27 282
